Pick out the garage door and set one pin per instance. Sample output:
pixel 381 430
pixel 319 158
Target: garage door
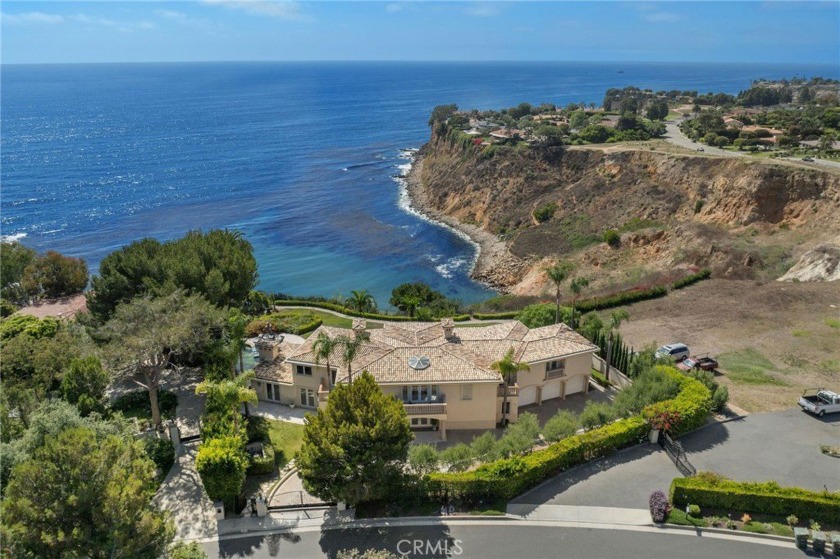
pixel 575 384
pixel 527 395
pixel 551 390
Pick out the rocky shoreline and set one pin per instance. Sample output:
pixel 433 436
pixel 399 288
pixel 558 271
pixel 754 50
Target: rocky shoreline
pixel 495 265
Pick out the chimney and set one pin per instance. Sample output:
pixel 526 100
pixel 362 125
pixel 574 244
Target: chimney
pixel 359 328
pixel 448 326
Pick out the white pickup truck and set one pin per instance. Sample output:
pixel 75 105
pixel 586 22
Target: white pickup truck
pixel 820 401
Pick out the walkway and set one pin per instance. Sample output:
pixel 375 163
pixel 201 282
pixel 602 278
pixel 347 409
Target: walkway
pixel 183 496
pixel 279 412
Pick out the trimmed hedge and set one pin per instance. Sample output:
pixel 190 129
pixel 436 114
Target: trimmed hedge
pixel 350 312
pixel 621 298
pixel 691 278
pixel 755 497
pixel 496 316
pixel 506 478
pixel 306 328
pixel 264 464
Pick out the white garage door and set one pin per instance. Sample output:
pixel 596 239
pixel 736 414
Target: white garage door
pixel 575 384
pixel 527 395
pixel 551 390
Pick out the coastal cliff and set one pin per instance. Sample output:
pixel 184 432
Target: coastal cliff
pixel 527 206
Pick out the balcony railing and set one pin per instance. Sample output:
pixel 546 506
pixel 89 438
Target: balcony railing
pixel 424 409
pixel 511 391
pixel 555 373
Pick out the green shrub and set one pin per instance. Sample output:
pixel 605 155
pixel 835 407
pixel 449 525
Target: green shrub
pixel 620 299
pixel 520 436
pixel 612 238
pixel 257 429
pixel 542 314
pixel 342 309
pixel 7 308
pixel 756 497
pixel 187 551
pixel 649 387
pixel 691 278
pixel 719 398
pixel 262 465
pixel 162 453
pixel 496 316
pixel 545 212
pixel 694 511
pixel 562 425
pixel 457 458
pixel 698 205
pixel 222 464
pixel 595 414
pixel 692 404
pixel 485 447
pixel 308 327
pixel 423 458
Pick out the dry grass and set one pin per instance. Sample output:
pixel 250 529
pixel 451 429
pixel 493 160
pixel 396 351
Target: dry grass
pixel 773 339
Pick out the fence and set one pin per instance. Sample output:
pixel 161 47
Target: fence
pixel 616 377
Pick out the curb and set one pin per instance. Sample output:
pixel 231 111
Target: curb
pixel 742 533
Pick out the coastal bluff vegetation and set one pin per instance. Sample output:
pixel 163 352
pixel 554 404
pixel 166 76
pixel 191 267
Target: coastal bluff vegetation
pixel 627 214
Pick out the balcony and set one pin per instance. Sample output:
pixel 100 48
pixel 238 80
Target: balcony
pixel 512 391
pixel 424 408
pixel 555 373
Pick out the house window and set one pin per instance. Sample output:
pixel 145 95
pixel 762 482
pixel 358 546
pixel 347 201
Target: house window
pixel 307 397
pixel 272 392
pixel 506 408
pixel 419 421
pixel 333 374
pixel 420 393
pixel 466 391
pixel 556 365
pixel 303 370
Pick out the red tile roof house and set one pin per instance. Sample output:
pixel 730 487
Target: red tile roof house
pixel 442 374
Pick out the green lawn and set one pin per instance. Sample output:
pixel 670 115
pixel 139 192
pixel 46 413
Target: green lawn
pixel 327 318
pixel 748 366
pixel 286 438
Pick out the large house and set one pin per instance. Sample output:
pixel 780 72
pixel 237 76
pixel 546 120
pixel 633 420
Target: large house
pixel 442 374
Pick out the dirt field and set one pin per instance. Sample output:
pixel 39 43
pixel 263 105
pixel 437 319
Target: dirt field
pixel 773 339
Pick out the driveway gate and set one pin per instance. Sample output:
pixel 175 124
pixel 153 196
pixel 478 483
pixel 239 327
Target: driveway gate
pixel 677 454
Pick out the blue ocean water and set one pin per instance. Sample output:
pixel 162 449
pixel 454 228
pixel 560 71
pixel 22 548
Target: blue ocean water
pixel 299 156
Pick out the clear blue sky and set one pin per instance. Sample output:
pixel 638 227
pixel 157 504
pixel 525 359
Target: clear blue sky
pixel 208 30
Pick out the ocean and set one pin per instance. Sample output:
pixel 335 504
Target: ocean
pixel 301 157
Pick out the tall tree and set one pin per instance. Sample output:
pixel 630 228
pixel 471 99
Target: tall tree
pixel 576 286
pixel 145 335
pixel 225 398
pixel 508 368
pixel 616 318
pixel 558 274
pixel 355 446
pixel 219 265
pixel 361 301
pixel 84 384
pixel 84 496
pixel 350 346
pixel 54 275
pixel 14 258
pixel 324 347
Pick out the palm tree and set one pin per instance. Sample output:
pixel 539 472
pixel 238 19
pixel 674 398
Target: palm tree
pixel 616 318
pixel 361 301
pixel 229 394
pixel 508 368
pixel 350 347
pixel 409 303
pixel 558 274
pixel 576 286
pixel 323 348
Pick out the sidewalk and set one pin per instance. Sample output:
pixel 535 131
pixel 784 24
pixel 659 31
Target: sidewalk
pixel 584 515
pixel 279 412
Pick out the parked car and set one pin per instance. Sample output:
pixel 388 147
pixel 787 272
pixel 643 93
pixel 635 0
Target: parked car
pixel 675 352
pixel 820 401
pixel 705 363
pixel 807 159
pixel 700 149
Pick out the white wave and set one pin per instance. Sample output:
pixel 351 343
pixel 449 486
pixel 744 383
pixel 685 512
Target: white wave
pixel 404 203
pixel 12 238
pixel 448 268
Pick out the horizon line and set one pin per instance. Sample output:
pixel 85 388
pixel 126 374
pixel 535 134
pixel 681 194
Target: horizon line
pixel 421 61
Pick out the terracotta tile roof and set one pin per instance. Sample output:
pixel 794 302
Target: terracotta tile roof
pixel 466 357
pixel 276 371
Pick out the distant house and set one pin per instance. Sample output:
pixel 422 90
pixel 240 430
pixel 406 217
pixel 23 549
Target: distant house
pixel 815 144
pixel 443 375
pixel 733 122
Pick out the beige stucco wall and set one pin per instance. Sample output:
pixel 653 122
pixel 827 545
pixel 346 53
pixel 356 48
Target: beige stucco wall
pixel 477 413
pixel 288 394
pixel 575 365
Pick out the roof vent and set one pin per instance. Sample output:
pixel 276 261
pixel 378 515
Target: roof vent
pixel 418 363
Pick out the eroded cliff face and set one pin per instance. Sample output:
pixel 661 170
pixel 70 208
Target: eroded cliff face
pixel 742 218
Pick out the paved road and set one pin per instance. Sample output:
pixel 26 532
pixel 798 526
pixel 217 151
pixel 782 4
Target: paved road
pixel 781 446
pixel 675 136
pixel 503 540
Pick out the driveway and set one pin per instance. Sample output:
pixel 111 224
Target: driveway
pixel 781 446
